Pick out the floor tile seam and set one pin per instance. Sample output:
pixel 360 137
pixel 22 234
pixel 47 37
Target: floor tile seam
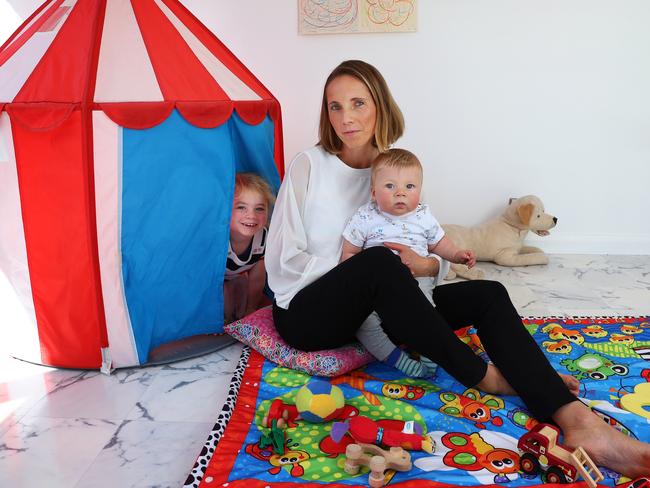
pixel 171 422
pixel 32 407
pixel 79 418
pixel 103 448
pixel 92 462
pixel 139 398
pixel 155 395
pixel 82 471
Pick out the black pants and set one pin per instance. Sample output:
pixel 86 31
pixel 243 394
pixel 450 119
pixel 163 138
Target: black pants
pixel 327 313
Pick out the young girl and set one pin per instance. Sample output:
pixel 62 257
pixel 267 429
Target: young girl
pixel 243 287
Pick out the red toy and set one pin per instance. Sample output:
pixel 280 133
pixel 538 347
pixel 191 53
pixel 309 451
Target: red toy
pixel 287 415
pixel 367 431
pixel 540 451
pixel 284 413
pixel 642 482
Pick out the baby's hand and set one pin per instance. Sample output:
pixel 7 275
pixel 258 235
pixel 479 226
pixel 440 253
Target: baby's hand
pixel 466 257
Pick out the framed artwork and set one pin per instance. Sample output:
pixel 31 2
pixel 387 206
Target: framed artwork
pixel 356 16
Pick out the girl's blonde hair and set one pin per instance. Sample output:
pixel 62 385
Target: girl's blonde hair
pixel 394 158
pixel 390 122
pixel 254 182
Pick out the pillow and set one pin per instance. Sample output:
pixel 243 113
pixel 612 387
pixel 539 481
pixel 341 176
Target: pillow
pixel 258 331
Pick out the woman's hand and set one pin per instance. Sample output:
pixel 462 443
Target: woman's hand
pixel 420 266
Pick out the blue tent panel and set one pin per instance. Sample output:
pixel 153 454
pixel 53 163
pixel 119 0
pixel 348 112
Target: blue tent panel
pixel 177 191
pixel 253 152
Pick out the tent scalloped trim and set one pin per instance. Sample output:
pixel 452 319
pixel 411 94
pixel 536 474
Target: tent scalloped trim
pixel 203 114
pixel 39 117
pixel 144 115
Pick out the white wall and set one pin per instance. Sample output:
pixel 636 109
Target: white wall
pixel 501 97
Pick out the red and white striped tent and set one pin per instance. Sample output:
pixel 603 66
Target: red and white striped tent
pixel 122 124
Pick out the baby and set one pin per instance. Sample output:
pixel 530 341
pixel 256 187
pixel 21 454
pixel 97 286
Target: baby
pixel 245 277
pixel 395 214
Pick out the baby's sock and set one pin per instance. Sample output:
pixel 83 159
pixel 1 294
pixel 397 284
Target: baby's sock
pixel 429 365
pixel 402 361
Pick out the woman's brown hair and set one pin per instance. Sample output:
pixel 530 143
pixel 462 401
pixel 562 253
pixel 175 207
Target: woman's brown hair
pixel 390 122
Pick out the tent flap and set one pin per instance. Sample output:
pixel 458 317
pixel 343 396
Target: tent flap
pixel 38 117
pixel 206 115
pixel 253 113
pixel 177 190
pixel 138 115
pixel 54 189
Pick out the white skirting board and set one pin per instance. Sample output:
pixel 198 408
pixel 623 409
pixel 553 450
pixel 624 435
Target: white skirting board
pixel 564 243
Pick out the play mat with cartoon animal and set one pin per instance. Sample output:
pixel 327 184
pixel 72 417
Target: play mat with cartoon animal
pixel 475 434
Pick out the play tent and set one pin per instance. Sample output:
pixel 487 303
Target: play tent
pixel 122 124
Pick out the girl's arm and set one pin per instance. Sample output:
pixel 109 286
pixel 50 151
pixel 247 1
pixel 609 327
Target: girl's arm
pixel 256 282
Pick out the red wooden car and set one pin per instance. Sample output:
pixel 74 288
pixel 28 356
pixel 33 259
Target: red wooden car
pixel 541 452
pixel 639 483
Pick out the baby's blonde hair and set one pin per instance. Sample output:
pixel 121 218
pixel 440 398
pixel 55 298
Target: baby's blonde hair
pixel 394 158
pixel 254 182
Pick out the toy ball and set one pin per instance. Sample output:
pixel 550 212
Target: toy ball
pixel 319 401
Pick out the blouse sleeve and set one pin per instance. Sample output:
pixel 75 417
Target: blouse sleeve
pixel 289 266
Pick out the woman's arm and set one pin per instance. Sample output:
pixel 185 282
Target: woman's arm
pixel 420 266
pixel 288 264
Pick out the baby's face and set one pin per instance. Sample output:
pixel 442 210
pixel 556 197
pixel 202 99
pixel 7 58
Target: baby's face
pixel 397 191
pixel 249 213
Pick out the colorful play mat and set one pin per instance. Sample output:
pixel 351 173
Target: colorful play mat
pixel 475 434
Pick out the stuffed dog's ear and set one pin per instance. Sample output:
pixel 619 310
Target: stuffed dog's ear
pixel 525 212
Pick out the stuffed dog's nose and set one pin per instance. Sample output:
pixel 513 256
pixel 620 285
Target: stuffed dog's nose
pixel 555 220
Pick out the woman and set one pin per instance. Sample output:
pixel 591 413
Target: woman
pixel 320 304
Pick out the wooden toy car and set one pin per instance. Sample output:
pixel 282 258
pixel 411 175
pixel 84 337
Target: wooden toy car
pixel 541 452
pixel 377 459
pixel 642 482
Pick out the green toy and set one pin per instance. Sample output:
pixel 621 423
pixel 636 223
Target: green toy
pixel 274 438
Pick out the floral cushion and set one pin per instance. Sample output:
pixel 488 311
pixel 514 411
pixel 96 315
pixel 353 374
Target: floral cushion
pixel 257 331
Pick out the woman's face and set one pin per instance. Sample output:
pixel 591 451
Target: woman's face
pixel 352 111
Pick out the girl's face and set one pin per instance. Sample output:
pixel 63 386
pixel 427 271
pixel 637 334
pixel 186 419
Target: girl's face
pixel 397 191
pixel 249 213
pixel 352 111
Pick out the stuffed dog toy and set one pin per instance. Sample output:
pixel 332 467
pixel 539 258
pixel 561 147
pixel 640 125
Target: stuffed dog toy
pixel 501 240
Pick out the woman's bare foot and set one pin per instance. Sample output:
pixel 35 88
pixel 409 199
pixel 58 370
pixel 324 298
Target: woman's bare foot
pixel 605 445
pixel 494 382
pixel 571 383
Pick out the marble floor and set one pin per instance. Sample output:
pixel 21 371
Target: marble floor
pixel 144 427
